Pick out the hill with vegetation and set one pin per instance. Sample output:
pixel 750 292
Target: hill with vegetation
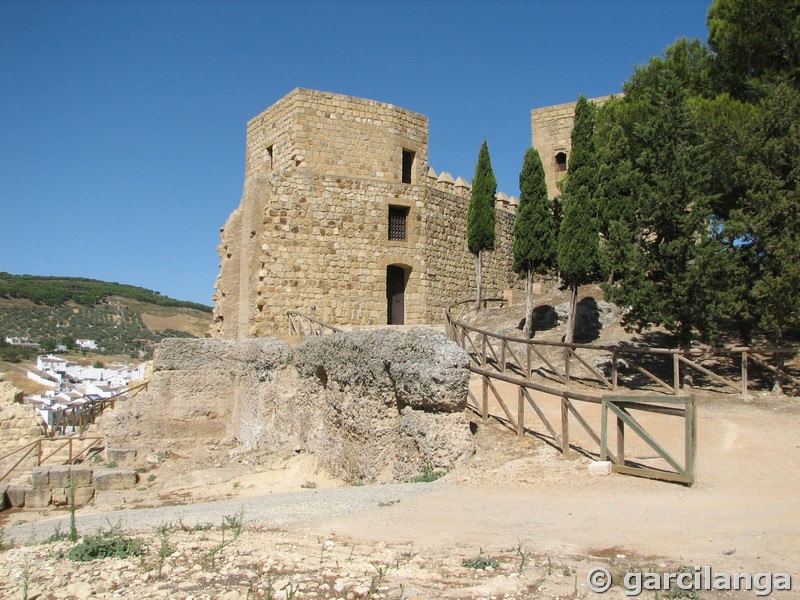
pixel 122 319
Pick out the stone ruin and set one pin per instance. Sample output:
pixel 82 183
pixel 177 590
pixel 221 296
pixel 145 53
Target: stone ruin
pixel 373 405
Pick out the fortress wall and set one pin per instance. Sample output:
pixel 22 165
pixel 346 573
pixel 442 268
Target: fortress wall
pixel 337 135
pixel 324 243
pixel 451 271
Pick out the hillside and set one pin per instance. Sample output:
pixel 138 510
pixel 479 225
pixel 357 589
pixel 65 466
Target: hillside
pixel 122 319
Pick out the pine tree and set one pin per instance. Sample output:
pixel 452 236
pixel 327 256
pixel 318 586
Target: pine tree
pixel 481 214
pixel 534 230
pixel 664 280
pixel 578 236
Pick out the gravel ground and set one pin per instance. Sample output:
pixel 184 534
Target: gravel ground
pixel 274 510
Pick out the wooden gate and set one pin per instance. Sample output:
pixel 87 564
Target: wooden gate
pixel 621 407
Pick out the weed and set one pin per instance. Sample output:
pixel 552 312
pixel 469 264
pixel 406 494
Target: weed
pixel 429 475
pixel 26 578
pixel 105 545
pixel 233 522
pixel 309 485
pixel 165 548
pixel 57 535
pixel 566 571
pixel 480 562
pixel 73 529
pixel 141 470
pixel 236 485
pixel 111 464
pixel 151 477
pixel 523 554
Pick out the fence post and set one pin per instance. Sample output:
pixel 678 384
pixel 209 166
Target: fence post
pixel 566 365
pixel 620 442
pixel 564 426
pixel 614 370
pixel 528 371
pixel 485 399
pixel 503 355
pixel 520 412
pixel 676 373
pixel 744 374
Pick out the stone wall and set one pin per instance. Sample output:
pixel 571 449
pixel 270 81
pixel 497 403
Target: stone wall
pixel 19 424
pixel 311 232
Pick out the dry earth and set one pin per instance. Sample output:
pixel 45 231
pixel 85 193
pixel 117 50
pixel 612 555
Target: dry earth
pixel 539 514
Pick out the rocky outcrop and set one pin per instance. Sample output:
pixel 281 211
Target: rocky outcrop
pixel 19 424
pixel 393 402
pixel 376 405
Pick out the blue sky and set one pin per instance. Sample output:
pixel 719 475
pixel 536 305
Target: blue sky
pixel 122 124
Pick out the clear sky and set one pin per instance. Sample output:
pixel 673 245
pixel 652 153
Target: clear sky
pixel 122 123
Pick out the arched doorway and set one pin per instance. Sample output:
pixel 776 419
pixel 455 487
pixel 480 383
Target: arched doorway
pixel 396 282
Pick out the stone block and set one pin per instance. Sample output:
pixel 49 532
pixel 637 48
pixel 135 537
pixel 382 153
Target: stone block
pixel 16 495
pixel 60 496
pixel 115 479
pixel 59 476
pixel 3 497
pixel 600 467
pixel 40 478
pixel 80 475
pixel 37 498
pixel 123 457
pixel 83 495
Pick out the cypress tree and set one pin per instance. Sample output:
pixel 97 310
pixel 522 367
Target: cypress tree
pixel 578 236
pixel 534 230
pixel 481 214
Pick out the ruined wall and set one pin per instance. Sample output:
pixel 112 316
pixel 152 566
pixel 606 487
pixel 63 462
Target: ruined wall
pixel 322 171
pixel 551 129
pixel 376 405
pixel 19 424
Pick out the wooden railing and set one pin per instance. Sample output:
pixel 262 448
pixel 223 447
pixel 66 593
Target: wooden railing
pixel 302 324
pixel 528 356
pixel 78 418
pixel 56 446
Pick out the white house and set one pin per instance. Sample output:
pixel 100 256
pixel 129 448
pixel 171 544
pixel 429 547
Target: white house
pixel 86 344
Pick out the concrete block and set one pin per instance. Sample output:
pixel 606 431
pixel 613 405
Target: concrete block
pixel 59 476
pixel 16 495
pixel 80 475
pixel 600 467
pixel 123 457
pixel 37 498
pixel 115 479
pixel 40 478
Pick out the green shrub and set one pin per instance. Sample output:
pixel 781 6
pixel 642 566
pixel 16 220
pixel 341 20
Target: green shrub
pixel 105 546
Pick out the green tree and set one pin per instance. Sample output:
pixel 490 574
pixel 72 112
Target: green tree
pixel 481 214
pixel 665 271
pixel 534 230
pixel 578 235
pixel 756 44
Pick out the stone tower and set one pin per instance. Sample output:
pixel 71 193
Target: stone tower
pixel 342 217
pixel 551 129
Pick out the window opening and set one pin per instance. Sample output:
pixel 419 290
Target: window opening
pixel 398 215
pixel 561 161
pixel 269 153
pixel 408 165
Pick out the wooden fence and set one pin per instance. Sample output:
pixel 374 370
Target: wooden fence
pixel 45 448
pixel 528 356
pixel 78 418
pixel 302 324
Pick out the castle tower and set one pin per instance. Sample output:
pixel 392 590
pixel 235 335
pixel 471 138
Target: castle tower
pixel 340 217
